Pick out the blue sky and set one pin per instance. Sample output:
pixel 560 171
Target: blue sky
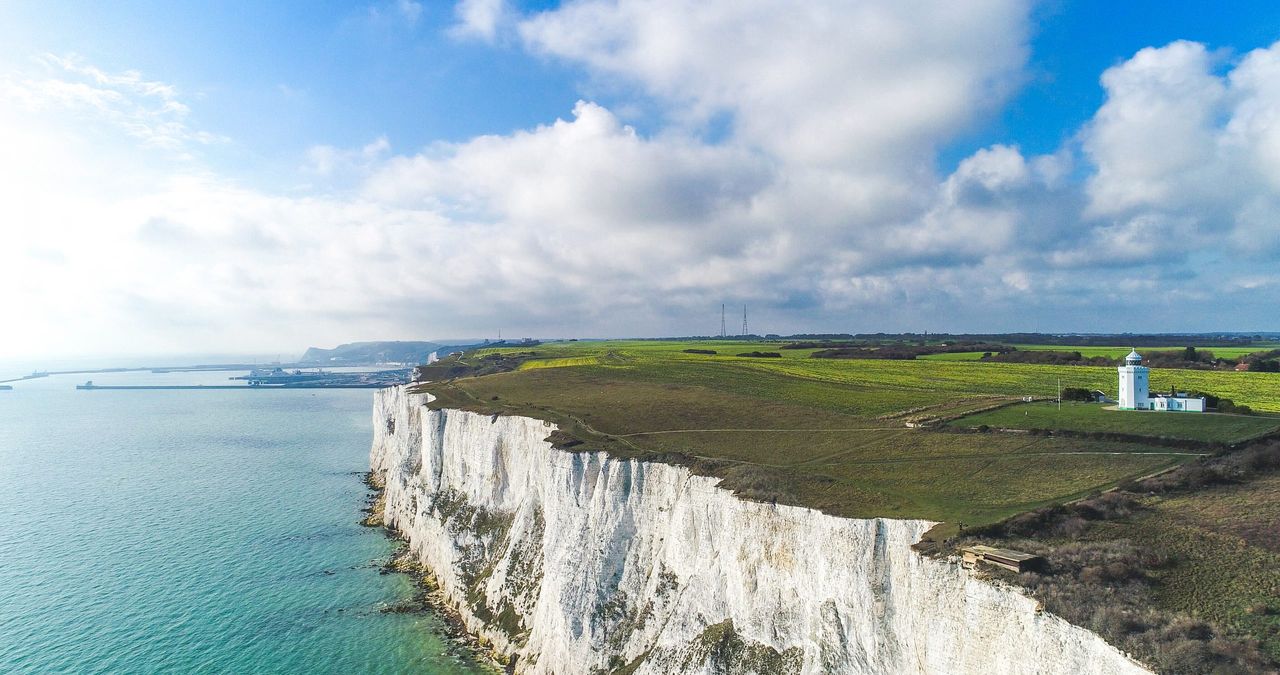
pixel 282 77
pixel 341 73
pixel 1073 42
pixel 189 177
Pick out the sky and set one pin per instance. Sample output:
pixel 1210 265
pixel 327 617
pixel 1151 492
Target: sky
pixel 261 177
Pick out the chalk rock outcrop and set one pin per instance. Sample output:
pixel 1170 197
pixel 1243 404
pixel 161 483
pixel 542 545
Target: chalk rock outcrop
pixel 571 562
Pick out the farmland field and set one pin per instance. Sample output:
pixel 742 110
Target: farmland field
pixel 826 433
pixel 894 385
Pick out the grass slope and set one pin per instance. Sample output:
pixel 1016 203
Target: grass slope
pixel 1182 570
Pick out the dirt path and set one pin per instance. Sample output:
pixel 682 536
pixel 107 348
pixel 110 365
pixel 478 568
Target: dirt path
pixel 952 458
pixel 694 431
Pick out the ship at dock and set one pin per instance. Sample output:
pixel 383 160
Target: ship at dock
pixel 276 376
pixel 280 378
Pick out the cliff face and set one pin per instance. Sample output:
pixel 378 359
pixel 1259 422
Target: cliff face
pixel 580 562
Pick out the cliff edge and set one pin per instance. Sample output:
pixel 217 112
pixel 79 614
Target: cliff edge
pixel 567 562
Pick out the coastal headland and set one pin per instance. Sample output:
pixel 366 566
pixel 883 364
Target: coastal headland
pixel 864 438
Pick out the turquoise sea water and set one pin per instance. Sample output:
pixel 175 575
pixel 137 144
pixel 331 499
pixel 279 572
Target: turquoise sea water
pixel 196 531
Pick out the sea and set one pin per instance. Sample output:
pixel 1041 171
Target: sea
pixel 189 531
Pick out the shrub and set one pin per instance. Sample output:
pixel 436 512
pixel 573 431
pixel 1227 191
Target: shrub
pixel 1070 528
pixel 1076 394
pixel 1265 366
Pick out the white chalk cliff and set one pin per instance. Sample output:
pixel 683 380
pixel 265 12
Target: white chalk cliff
pixel 583 563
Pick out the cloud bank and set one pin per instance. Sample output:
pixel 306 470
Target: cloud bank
pixel 792 168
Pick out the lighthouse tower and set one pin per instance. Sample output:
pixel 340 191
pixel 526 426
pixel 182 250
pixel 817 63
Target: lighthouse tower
pixel 1134 394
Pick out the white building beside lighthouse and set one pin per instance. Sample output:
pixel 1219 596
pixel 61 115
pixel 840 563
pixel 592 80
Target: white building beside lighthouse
pixel 1135 392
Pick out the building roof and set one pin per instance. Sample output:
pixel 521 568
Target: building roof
pixel 1005 553
pixel 1133 357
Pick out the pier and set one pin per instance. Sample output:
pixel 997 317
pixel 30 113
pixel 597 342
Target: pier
pixel 89 386
pixel 274 377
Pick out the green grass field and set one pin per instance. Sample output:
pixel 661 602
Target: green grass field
pixel 830 433
pixel 1087 417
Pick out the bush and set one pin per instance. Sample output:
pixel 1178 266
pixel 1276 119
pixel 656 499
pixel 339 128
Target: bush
pixel 1267 366
pixel 1070 528
pixel 1111 620
pixel 1226 405
pixel 1222 405
pixel 1077 394
pixel 1051 358
pixel 906 352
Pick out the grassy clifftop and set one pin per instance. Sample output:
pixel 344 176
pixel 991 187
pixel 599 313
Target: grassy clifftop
pixel 1181 569
pixel 829 434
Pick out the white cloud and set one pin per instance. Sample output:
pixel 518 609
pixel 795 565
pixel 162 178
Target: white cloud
pixel 1153 141
pixel 393 14
pixel 998 167
pixel 149 111
pixel 327 160
pixel 410 10
pixel 591 172
pixel 821 207
pixel 1178 143
pixel 481 19
pixel 1143 239
pixel 872 85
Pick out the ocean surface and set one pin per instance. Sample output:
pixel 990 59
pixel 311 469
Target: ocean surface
pixel 196 531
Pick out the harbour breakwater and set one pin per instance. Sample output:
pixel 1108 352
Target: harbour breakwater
pixel 566 562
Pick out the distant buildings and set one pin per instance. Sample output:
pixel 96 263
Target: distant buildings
pixel 1135 392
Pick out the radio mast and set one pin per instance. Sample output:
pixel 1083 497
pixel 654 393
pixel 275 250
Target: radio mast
pixel 744 321
pixel 723 333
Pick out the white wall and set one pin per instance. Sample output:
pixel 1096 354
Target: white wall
pixel 1134 388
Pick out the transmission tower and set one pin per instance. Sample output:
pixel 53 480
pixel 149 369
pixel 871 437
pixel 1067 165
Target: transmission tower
pixel 744 321
pixel 722 329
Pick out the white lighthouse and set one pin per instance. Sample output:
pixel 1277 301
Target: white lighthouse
pixel 1134 390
